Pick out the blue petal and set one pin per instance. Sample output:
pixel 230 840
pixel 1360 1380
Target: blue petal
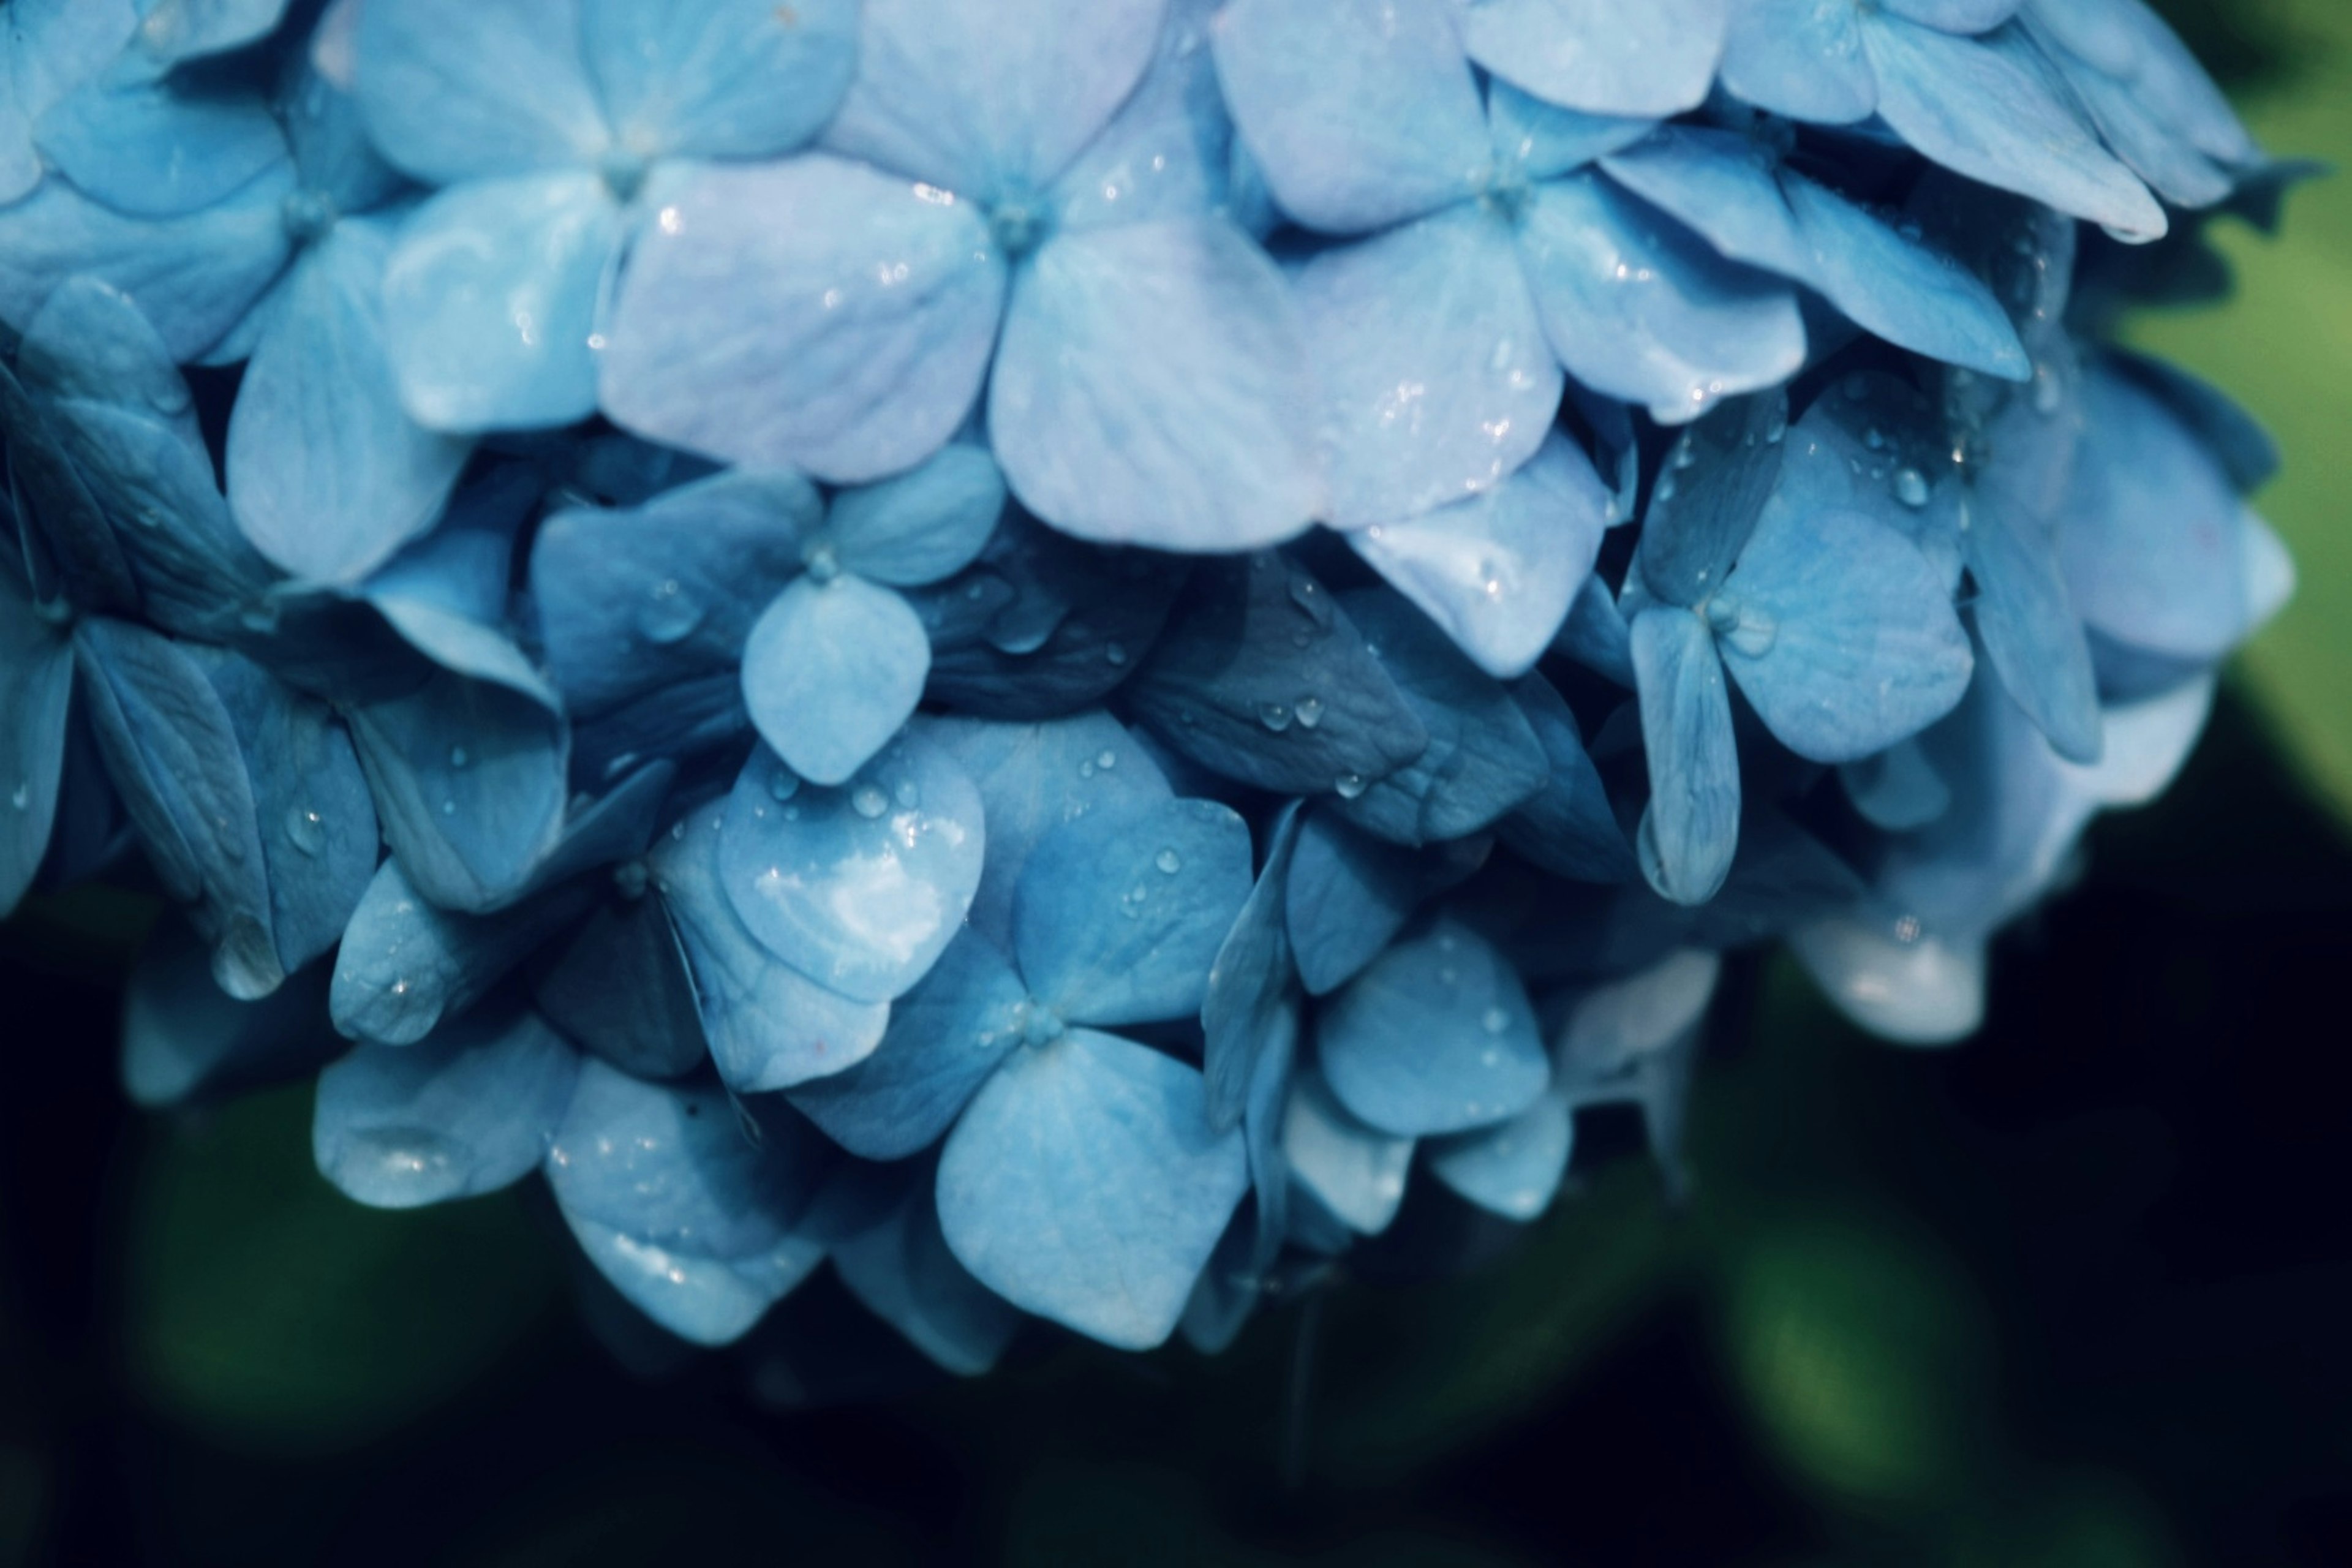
pixel 1482 758
pixel 468 1112
pixel 1119 914
pixel 1928 991
pixel 832 670
pixel 622 989
pixel 1614 1026
pixel 1349 895
pixel 2235 438
pixel 1258 641
pixel 635 600
pixel 1846 640
pixel 2027 619
pixel 1170 151
pixel 1032 777
pixel 1897 790
pixel 329 138
pixel 149 149
pixel 1709 496
pixel 177 30
pixel 1435 376
pixel 36 696
pixel 1499 571
pixel 946 1037
pixel 1085 1184
pixel 1569 829
pixel 460 89
pixel 1361 114
pixel 406 965
pixel 698 1223
pixel 490 300
pixel 1248 1008
pixel 194 277
pixel 186 1040
pixel 1599 57
pixel 769 1026
pixel 813 313
pixel 724 79
pixel 1692 825
pixel 1151 389
pixel 1992 109
pixel 923 525
pixel 1436 1036
pixel 1719 182
pixel 1514 1169
pixel 991 98
pixel 1637 307
pixel 1955 15
pixel 327 475
pixel 1595 635
pixel 1356 1172
pixel 858 887
pixel 1542 140
pixel 1800 58
pixel 901 1270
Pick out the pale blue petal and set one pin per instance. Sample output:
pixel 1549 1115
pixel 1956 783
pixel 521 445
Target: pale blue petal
pixel 1436 1036
pixel 1248 1006
pixel 1356 1172
pixel 1614 1026
pixel 991 98
pixel 491 302
pixel 946 1036
pixel 1708 496
pixel 622 989
pixel 1349 894
pixel 1120 913
pixel 831 671
pixel 1360 113
pixel 186 1040
pixel 698 1219
pixel 1800 58
pixel 148 148
pixel 769 1026
pixel 1638 307
pixel 901 1270
pixel 2235 438
pixel 1151 389
pixel 406 965
pixel 1085 1184
pixel 1692 825
pixel 1897 790
pixel 1721 184
pixel 1992 109
pixel 1568 828
pixel 1928 991
pixel 1542 140
pixel 923 525
pixel 1256 643
pixel 813 313
pixel 1914 297
pixel 1595 633
pixel 858 887
pixel 1843 635
pixel 327 136
pixel 719 79
pixel 2028 622
pixel 1482 758
pixel 1170 151
pixel 1499 571
pixel 460 89
pixel 1434 375
pixel 1514 1169
pixel 633 600
pixel 1955 15
pixel 468 1112
pixel 327 475
pixel 1599 55
pixel 36 696
pixel 67 549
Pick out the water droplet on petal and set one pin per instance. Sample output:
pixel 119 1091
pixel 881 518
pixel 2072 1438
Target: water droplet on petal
pixel 1911 487
pixel 448 808
pixel 1275 716
pixel 1107 759
pixel 1347 786
pixel 1310 711
pixel 1495 1020
pixel 460 758
pixel 868 802
pixel 21 797
pixel 1168 860
pixel 668 615
pixel 306 830
pixel 783 784
pixel 1114 653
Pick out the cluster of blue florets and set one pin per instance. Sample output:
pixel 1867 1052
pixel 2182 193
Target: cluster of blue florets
pixel 1041 648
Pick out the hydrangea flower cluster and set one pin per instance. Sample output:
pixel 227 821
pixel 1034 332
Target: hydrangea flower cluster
pixel 1043 648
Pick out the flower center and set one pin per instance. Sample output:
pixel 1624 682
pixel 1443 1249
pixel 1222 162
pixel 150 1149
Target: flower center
pixel 1018 227
pixel 1040 1024
pixel 820 561
pixel 623 170
pixel 1502 188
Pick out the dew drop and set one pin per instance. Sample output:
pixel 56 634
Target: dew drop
pixel 908 794
pixel 1107 759
pixel 1168 860
pixel 460 758
pixel 1087 770
pixel 306 830
pixel 1495 1020
pixel 1347 786
pixel 1275 716
pixel 1311 713
pixel 868 802
pixel 21 797
pixel 1911 487
pixel 783 784
pixel 448 808
pixel 668 615
pixel 1114 653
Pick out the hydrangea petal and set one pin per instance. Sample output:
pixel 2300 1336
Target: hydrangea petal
pixel 1085 1184
pixel 719 79
pixel 1435 376
pixel 327 474
pixel 769 1026
pixel 813 313
pixel 1897 790
pixel 148 149
pixel 1515 1168
pixel 1599 57
pixel 463 90
pixel 1542 140
pixel 36 695
pixel 468 1112
pixel 1692 825
pixel 1637 307
pixel 901 1270
pixel 923 525
pixel 1569 828
pixel 186 1041
pixel 858 887
pixel 946 1036
pixel 1499 571
pixel 1119 914
pixel 491 302
pixel 831 671
pixel 1250 983
pixel 699 1224
pixel 1349 894
pixel 407 965
pixel 328 136
pixel 1436 1036
pixel 1170 151
pixel 1356 1172
pixel 1708 497
pixel 1361 114
pixel 1928 991
pixel 1800 58
pixel 2027 620
pixel 621 988
pixel 1150 390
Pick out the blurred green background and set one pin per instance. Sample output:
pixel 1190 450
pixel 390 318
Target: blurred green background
pixel 2075 1294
